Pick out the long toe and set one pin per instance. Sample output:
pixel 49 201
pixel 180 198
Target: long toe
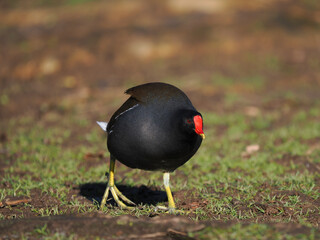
pixel 118 201
pixel 116 196
pixel 105 197
pixel 169 210
pixel 123 197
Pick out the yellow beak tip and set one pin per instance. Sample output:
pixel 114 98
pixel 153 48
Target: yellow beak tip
pixel 202 136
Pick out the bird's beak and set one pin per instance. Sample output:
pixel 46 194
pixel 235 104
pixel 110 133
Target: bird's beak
pixel 202 136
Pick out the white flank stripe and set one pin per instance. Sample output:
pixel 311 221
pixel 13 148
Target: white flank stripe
pixel 127 110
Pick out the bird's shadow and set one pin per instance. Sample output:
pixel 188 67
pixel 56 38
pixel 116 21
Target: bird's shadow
pixel 139 195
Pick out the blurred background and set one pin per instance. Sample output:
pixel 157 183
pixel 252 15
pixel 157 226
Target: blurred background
pixel 252 68
pixel 78 56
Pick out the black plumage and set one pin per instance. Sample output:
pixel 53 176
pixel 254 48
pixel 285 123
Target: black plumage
pixel 149 131
pixel 157 128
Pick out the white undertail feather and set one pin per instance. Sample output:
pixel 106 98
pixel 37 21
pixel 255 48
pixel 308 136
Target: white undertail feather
pixel 103 125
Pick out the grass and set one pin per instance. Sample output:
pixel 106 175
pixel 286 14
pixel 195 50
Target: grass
pixel 226 183
pixel 48 158
pixel 262 97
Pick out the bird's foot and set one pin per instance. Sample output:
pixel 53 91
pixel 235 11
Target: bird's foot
pixel 170 210
pixel 117 196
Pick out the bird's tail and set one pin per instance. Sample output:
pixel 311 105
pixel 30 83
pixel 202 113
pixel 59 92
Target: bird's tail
pixel 103 125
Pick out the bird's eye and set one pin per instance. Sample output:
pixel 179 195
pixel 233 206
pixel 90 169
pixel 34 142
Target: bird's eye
pixel 189 121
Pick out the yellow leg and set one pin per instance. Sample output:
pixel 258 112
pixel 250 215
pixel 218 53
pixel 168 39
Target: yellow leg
pixel 114 190
pixel 166 180
pixel 172 207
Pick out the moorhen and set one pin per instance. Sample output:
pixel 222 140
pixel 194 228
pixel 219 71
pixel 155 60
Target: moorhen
pixel 156 129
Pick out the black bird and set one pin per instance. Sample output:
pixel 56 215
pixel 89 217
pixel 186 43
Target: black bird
pixel 156 129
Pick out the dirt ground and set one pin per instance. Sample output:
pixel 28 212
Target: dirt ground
pixel 64 58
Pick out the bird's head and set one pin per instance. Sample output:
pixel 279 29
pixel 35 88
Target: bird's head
pixel 193 122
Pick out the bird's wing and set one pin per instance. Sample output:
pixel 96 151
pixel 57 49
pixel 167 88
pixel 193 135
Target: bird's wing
pixel 146 93
pixel 155 91
pixel 131 103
